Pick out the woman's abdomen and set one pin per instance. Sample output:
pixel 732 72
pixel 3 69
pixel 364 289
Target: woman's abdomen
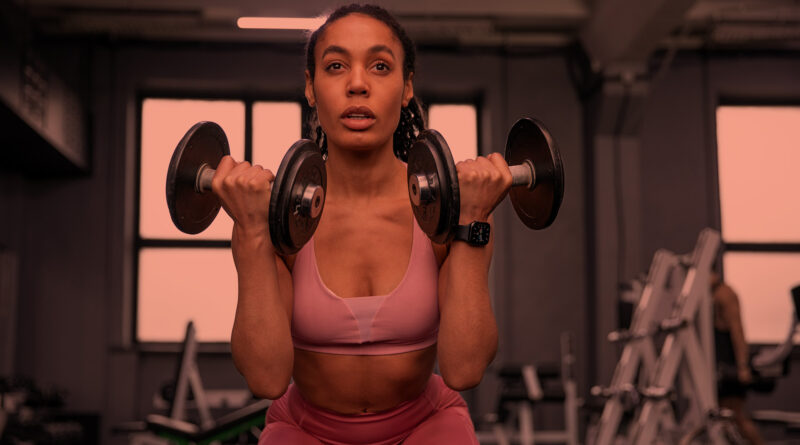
pixel 351 384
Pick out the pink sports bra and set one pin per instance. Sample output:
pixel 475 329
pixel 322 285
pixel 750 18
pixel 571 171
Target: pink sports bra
pixel 407 319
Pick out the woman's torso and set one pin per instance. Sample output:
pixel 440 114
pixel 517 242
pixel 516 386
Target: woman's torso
pixel 364 250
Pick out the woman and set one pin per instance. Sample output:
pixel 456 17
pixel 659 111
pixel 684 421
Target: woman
pixel 359 316
pixel 733 358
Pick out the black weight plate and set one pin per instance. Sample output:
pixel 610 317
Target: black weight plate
pixel 204 143
pixel 537 207
pixel 302 165
pixel 430 155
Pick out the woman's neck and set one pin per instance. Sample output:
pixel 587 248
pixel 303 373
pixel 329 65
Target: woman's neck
pixel 361 176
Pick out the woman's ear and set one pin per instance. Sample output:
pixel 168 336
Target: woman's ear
pixel 312 101
pixel 408 89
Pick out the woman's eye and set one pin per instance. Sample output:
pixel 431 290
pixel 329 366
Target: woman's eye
pixel 334 66
pixel 380 66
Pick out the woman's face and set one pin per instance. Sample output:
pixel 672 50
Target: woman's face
pixel 358 87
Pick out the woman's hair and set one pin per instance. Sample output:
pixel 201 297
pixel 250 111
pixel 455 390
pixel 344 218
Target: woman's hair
pixel 411 117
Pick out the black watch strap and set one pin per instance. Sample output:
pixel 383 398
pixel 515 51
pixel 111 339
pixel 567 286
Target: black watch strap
pixel 475 233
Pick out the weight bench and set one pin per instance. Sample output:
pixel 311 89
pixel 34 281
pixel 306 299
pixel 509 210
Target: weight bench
pixel 226 427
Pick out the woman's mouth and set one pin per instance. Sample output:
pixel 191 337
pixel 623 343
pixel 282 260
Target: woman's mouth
pixel 357 118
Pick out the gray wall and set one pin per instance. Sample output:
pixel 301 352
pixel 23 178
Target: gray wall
pixel 74 235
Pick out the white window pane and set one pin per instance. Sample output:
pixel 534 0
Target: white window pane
pixel 758 153
pixel 763 282
pixel 177 285
pixel 276 126
pixel 164 122
pixel 458 124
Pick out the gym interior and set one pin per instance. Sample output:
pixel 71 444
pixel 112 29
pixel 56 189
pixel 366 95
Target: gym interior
pixel 676 125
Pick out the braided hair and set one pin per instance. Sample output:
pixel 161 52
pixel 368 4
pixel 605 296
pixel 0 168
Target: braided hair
pixel 411 116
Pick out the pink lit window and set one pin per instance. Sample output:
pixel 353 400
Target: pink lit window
pixel 758 154
pixel 458 124
pixel 276 126
pixel 181 284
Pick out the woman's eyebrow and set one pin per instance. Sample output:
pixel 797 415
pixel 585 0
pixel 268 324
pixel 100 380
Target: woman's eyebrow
pixel 381 48
pixel 334 49
pixel 372 50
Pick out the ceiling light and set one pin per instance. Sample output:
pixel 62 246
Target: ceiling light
pixel 280 22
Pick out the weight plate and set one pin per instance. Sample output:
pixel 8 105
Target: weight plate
pixel 430 156
pixel 537 207
pixel 204 143
pixel 301 166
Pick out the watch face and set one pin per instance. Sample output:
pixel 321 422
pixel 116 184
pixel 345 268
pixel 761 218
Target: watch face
pixel 479 233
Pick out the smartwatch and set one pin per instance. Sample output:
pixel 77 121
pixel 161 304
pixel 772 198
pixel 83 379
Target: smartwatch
pixel 475 233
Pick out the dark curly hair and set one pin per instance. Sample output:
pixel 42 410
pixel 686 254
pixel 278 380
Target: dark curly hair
pixel 411 117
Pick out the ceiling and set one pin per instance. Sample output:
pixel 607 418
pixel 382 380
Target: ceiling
pixel 613 31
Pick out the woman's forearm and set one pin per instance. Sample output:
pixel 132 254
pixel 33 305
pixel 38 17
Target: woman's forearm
pixel 261 341
pixel 467 329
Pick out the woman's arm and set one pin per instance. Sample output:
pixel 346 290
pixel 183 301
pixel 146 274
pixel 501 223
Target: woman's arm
pixel 730 309
pixel 467 328
pixel 261 341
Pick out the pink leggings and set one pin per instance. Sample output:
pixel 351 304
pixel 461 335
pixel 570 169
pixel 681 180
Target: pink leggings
pixel 438 416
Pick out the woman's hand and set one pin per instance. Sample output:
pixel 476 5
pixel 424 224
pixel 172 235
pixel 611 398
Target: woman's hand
pixel 244 191
pixel 482 182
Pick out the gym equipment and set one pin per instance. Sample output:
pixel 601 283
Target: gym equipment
pixel 296 200
pixel 177 429
pixel 525 387
pixel 686 354
pixel 535 164
pixel 769 364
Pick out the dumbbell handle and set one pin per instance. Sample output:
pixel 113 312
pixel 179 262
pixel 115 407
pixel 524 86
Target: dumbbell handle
pixel 202 181
pixel 421 188
pixel 523 174
pixel 310 204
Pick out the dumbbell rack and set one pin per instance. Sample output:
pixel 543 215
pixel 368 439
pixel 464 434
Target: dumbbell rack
pixel 686 354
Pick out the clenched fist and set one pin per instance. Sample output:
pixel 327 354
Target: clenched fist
pixel 483 182
pixel 244 191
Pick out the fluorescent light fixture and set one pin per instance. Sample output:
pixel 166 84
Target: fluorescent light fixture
pixel 280 22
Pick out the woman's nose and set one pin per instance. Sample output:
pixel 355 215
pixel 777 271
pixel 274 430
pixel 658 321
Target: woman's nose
pixel 358 83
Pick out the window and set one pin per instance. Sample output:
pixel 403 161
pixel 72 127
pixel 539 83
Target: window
pixel 192 277
pixel 458 124
pixel 184 277
pixel 758 154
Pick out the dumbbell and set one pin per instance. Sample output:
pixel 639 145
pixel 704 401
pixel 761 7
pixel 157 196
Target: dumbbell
pixel 296 200
pixel 536 168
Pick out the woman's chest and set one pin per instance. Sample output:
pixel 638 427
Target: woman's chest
pixel 363 255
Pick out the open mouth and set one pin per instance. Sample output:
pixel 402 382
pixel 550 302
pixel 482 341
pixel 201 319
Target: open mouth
pixel 358 118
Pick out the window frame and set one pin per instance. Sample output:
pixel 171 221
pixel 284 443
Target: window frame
pixel 745 247
pixel 139 243
pixel 474 99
